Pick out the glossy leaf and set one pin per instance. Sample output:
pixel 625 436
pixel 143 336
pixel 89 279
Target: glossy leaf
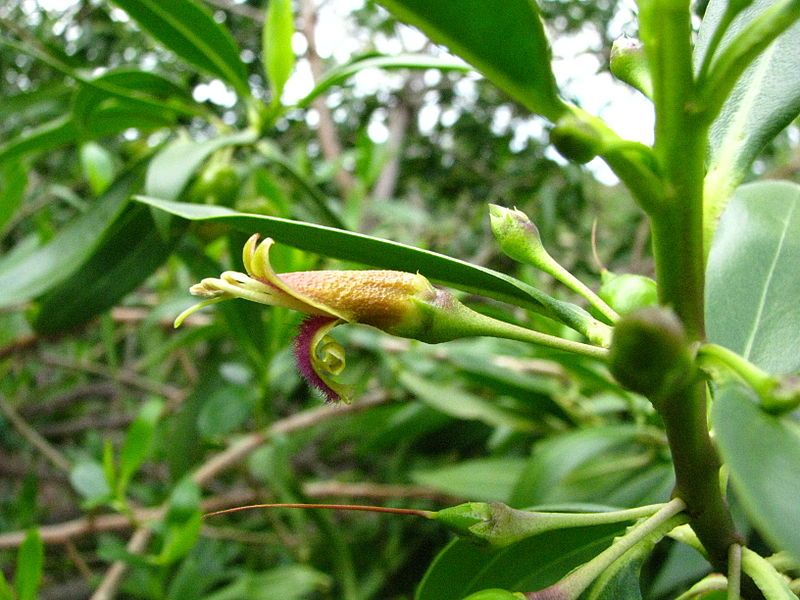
pixel 13 183
pixel 191 32
pixel 534 563
pixel 53 134
pixel 130 251
pixel 138 442
pixel 763 102
pixel 508 46
pixel 339 75
pixel 276 40
pixel 457 402
pixel 763 454
pixel 372 251
pixel 171 169
pixel 54 262
pixel 752 285
pixel 30 566
pixel 479 479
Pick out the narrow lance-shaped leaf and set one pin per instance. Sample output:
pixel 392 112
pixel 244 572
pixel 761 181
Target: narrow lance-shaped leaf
pixel 276 40
pixel 508 45
pixel 763 102
pixel 190 31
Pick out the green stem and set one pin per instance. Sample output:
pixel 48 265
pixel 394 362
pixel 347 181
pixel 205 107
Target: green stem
pixel 574 584
pixel 559 273
pixel 734 571
pixel 761 381
pixel 680 146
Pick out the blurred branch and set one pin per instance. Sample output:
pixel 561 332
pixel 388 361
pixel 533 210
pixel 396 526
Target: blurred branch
pixel 399 118
pixel 235 453
pixel 33 437
pixel 374 491
pixel 17 345
pixel 326 131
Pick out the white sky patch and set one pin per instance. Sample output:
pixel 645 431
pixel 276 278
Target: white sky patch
pixel 216 92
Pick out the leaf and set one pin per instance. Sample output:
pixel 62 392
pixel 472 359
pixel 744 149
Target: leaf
pixel 30 565
pixel 53 134
pixel 276 40
pixel 131 249
pixel 6 591
pixel 342 73
pixel 89 480
pixel 226 408
pixel 54 262
pixel 290 582
pixel 546 477
pixel 138 442
pixel 508 46
pixel 191 32
pixel 182 522
pixel 532 564
pixel 752 285
pixel 171 169
pixel 125 98
pixel 763 454
pixel 479 479
pixel 98 167
pixel 357 247
pixel 13 183
pixel 456 402
pixel 764 101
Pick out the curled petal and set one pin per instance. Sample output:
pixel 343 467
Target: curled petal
pixel 319 357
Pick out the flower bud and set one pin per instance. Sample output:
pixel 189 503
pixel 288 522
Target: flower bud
pixel 629 64
pixel 650 353
pixel 517 236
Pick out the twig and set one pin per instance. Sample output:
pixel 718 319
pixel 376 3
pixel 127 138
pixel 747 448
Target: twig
pixel 226 459
pixel 23 343
pixel 96 422
pixel 62 401
pixel 33 437
pixel 326 130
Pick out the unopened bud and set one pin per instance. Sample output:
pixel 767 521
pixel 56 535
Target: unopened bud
pixel 517 236
pixel 629 64
pixel 576 139
pixel 650 353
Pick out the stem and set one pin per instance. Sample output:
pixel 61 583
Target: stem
pixel 559 273
pixel 761 381
pixel 578 580
pixel 734 571
pixel 680 146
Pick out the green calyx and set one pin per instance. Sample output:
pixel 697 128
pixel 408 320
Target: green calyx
pixel 628 63
pixel 650 353
pixel 627 292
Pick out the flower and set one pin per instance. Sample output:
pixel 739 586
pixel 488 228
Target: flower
pixel 388 300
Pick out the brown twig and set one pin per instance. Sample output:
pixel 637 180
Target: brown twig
pixel 23 343
pixel 374 491
pixel 326 130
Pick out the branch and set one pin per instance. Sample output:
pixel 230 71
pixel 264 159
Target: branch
pixel 33 437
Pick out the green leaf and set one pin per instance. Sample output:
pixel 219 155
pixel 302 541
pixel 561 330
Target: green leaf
pixel 54 262
pixel 171 169
pixel 763 102
pixel 291 582
pixel 456 402
pixel 375 252
pixel 508 46
pixel 30 565
pixel 13 183
pixel 191 32
pixel 226 408
pixel 138 442
pixel 53 134
pixel 126 98
pixel 752 285
pixel 182 522
pixel 463 568
pixel 276 46
pixel 6 591
pixel 552 473
pixel 479 479
pixel 98 167
pixel 131 249
pixel 89 480
pixel 762 452
pixel 338 75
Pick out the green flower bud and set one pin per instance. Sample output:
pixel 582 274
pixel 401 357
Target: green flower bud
pixel 495 594
pixel 629 64
pixel 626 292
pixel 650 353
pixel 575 139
